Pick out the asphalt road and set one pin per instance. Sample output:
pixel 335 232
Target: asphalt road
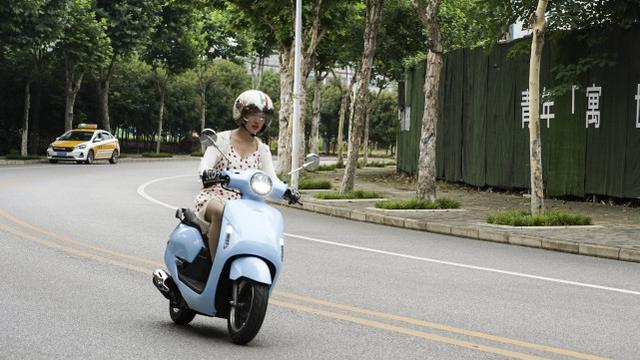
pixel 80 242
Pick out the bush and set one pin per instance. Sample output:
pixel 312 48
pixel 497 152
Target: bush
pixel 15 155
pixel 524 218
pixel 378 163
pixel 418 204
pixel 197 153
pixel 356 194
pixel 326 167
pixel 156 155
pixel 314 184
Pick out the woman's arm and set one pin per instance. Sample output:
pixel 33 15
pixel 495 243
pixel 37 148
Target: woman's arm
pixel 267 161
pixel 208 160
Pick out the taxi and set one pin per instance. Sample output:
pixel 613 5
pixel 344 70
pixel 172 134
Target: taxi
pixel 84 145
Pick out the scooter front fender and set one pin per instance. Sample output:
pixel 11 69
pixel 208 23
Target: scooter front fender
pixel 250 267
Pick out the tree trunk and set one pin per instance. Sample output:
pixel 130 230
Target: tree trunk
pixel 73 84
pixel 103 102
pixel 103 85
pixel 307 60
pixel 314 146
pixel 160 119
pixel 367 124
pixel 203 106
pixel 25 119
pixel 286 102
pixel 535 147
pixel 35 116
pixel 426 184
pixel 346 94
pixel 372 22
pixel 365 140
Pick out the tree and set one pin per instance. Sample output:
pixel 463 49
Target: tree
pixel 535 145
pixel 215 39
pixel 172 50
pixel 314 144
pixel 129 25
pixel 29 31
pixel 562 15
pixel 83 45
pixel 428 14
pixel 372 21
pixel 277 17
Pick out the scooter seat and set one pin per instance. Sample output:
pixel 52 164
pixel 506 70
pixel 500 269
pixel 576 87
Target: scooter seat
pixel 188 217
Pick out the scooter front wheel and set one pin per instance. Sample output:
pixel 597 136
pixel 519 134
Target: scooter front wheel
pixel 179 315
pixel 248 308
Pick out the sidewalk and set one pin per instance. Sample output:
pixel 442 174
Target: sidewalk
pixel 614 235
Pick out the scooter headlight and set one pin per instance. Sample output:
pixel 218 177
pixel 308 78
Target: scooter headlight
pixel 261 184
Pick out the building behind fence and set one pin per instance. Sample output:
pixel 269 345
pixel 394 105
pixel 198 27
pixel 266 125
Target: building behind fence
pixel 590 133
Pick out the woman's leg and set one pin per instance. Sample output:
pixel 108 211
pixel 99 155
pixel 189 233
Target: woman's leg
pixel 213 215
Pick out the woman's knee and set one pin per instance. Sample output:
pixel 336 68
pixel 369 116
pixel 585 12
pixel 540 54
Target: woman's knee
pixel 214 210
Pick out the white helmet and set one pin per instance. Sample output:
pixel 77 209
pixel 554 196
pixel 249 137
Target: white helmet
pixel 252 100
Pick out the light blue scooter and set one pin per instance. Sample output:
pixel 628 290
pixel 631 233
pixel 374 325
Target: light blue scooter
pixel 237 284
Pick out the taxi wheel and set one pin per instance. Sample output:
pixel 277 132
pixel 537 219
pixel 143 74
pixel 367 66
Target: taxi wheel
pixel 114 157
pixel 90 157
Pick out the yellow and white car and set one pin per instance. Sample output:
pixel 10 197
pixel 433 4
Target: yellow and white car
pixel 84 145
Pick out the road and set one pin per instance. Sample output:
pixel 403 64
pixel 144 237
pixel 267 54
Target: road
pixel 80 242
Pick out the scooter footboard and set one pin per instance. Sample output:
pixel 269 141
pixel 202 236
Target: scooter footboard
pixel 252 268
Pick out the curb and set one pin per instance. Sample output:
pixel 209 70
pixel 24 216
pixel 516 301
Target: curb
pixel 476 233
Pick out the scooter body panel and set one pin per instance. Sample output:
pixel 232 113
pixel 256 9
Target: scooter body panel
pixel 250 229
pixel 252 268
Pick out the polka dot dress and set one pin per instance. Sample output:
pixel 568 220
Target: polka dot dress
pixel 216 191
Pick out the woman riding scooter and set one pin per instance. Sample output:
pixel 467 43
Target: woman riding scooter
pixel 252 111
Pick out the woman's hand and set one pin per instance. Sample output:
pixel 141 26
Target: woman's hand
pixel 209 177
pixel 292 195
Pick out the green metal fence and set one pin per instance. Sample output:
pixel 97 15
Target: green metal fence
pixel 590 134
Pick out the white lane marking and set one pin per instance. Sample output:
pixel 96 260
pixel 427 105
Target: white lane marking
pixel 473 267
pixel 141 192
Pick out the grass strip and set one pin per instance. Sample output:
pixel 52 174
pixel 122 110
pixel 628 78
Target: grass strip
pixel 356 194
pixel 314 184
pixel 156 155
pixel 524 218
pixel 407 204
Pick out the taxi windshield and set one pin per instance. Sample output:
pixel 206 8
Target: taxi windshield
pixel 77 135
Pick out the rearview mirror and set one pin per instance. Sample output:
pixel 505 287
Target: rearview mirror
pixel 208 137
pixel 311 162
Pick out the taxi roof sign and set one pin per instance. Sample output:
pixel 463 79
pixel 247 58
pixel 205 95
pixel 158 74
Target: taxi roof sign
pixel 87 126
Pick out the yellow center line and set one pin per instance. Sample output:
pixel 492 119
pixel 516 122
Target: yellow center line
pixel 14 219
pixel 73 251
pixel 401 330
pixel 437 326
pixel 302 298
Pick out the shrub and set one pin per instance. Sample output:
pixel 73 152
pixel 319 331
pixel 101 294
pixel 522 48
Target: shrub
pixel 314 184
pixel 156 155
pixel 418 204
pixel 197 153
pixel 356 194
pixel 524 218
pixel 15 155
pixel 326 167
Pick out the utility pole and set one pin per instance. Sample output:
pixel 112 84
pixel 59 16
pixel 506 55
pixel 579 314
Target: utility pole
pixel 297 84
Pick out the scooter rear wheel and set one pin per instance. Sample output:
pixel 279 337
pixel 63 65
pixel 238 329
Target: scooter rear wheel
pixel 180 315
pixel 248 308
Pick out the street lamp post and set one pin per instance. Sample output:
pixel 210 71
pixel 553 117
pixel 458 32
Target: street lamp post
pixel 297 90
